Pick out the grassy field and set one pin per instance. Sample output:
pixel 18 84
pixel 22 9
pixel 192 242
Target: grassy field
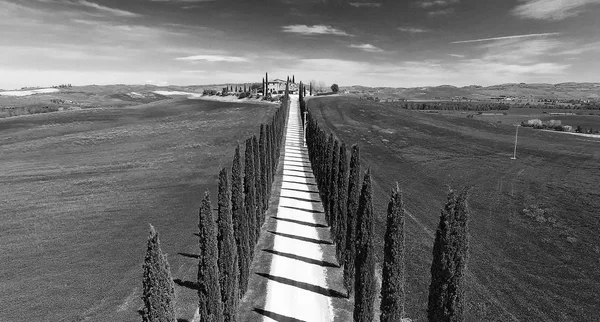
pixel 79 189
pixel 534 225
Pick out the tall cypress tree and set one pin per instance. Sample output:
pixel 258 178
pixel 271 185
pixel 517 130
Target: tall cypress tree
pixel 228 271
pixel 353 196
pixel 342 203
pixel 257 187
pixel 450 254
pixel 327 177
pixel 209 290
pixel 364 282
pixel 240 223
pixel 266 83
pixel 158 292
pixel 333 190
pixel 392 285
pixel 268 159
pixel 250 196
pixel 263 167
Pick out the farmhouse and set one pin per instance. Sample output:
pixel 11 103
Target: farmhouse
pixel 277 86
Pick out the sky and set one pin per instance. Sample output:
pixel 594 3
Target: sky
pixel 395 43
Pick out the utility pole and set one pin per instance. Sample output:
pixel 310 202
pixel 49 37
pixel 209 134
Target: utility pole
pixel 514 157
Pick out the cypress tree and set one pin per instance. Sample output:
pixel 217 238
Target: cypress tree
pixel 342 203
pixel 333 190
pixel 158 292
pixel 239 219
pixel 228 271
pixel 268 165
pixel 364 282
pixel 353 196
pixel 257 187
pixel 250 196
pixel 209 290
pixel 263 167
pixel 266 83
pixel 327 176
pixel 450 254
pixel 392 285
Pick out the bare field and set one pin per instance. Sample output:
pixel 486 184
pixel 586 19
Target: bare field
pixel 79 189
pixel 535 228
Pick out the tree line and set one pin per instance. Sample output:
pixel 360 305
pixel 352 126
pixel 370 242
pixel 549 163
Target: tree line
pixel 348 207
pixel 488 106
pixel 227 240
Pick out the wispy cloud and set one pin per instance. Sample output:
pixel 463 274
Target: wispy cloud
pixel 442 12
pixel 367 47
pixel 214 58
pixel 508 37
pixel 432 3
pixel 457 55
pixel 314 30
pixel 551 9
pixel 412 30
pixel 365 4
pixel 116 12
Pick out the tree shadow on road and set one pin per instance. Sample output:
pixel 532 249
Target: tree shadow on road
pixel 305 286
pixel 275 316
pixel 303 209
pixel 299 222
pixel 187 284
pixel 302 258
pixel 304 239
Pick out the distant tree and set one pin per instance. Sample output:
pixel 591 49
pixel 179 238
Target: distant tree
pixel 266 83
pixel 579 129
pixel 392 285
pixel 158 292
pixel 448 267
pixel 228 270
pixel 342 204
pixel 209 290
pixel 294 79
pixel 250 196
pixel 335 88
pixel 240 222
pixel 353 197
pixel 364 282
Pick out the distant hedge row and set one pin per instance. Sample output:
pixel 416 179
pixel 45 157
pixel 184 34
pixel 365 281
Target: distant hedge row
pixel 349 213
pixel 227 241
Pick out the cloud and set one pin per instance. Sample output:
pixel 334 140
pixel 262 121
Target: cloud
pixel 457 55
pixel 442 12
pixel 551 9
pixel 547 34
pixel 412 30
pixel 365 4
pixel 214 58
pixel 432 3
pixel 116 12
pixel 314 30
pixel 367 47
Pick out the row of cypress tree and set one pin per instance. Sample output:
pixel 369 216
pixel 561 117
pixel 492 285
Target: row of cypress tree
pixel 227 241
pixel 349 213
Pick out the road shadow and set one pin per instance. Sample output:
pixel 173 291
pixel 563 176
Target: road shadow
pixel 302 258
pixel 189 255
pixel 298 176
pixel 300 238
pixel 299 222
pixel 275 316
pixel 312 211
pixel 187 284
pixel 306 183
pixel 305 286
pixel 301 199
pixel 300 190
pixel 301 171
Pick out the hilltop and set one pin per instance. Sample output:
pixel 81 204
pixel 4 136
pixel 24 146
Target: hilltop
pixel 521 91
